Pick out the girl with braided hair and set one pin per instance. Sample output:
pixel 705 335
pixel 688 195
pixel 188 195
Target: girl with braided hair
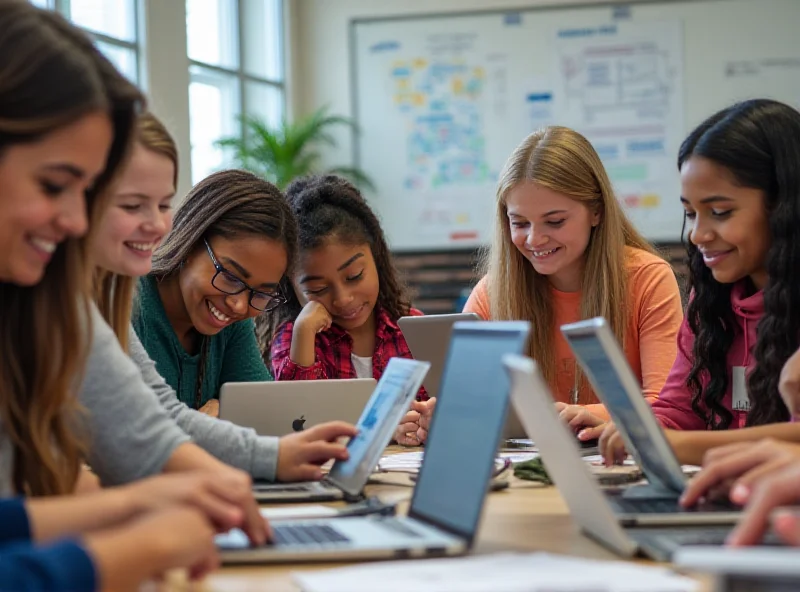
pixel 341 317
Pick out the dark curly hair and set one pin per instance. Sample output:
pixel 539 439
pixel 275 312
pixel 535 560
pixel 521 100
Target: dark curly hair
pixel 758 142
pixel 330 208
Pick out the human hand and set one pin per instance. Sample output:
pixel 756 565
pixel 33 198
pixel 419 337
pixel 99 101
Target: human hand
pixel 425 419
pixel 211 408
pixel 732 471
pixel 301 454
pixel 406 432
pixel 789 384
pixel 224 496
pixel 144 549
pixel 577 417
pixel 611 445
pixel 313 318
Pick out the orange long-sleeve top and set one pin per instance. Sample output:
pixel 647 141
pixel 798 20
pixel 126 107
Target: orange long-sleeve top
pixel 651 347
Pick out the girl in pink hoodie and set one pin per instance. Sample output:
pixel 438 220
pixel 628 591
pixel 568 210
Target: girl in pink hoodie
pixel 740 187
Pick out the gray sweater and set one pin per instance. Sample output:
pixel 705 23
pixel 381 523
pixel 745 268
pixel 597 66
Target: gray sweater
pixel 135 421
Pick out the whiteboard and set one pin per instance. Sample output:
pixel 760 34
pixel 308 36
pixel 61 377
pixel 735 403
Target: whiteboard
pixel 441 101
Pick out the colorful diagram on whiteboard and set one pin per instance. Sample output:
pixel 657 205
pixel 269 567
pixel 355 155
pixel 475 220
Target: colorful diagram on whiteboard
pixel 445 142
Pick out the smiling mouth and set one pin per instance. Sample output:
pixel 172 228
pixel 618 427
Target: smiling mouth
pixel 543 254
pixel 218 314
pixel 143 247
pixel 351 314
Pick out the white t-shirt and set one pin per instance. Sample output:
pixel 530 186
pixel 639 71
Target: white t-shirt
pixel 363 366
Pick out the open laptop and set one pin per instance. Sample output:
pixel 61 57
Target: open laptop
pixel 604 363
pixel 286 406
pixel 389 401
pixel 428 338
pixel 619 519
pixel 453 481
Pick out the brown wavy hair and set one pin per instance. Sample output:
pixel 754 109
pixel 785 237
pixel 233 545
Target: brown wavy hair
pixel 114 292
pixel 51 76
pixel 563 160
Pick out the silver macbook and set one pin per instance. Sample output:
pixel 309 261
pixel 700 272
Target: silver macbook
pixel 604 363
pixel 387 404
pixel 453 480
pixel 428 337
pixel 620 519
pixel 282 407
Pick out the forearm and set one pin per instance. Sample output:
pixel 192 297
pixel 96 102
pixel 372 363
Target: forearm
pixel 123 558
pixel 52 518
pixel 190 457
pixel 302 350
pixel 690 447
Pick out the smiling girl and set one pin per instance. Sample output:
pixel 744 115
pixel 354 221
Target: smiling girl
pixel 563 250
pixel 741 193
pixel 347 327
pixel 232 241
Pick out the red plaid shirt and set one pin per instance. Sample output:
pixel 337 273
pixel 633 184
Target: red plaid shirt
pixel 332 350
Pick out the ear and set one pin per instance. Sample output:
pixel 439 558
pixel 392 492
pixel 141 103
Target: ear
pixel 597 215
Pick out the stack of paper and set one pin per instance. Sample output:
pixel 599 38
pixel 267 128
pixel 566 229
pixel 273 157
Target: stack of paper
pixel 410 462
pixel 510 572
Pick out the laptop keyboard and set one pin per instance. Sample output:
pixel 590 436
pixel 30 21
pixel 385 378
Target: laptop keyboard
pixel 281 488
pixel 667 506
pixel 311 534
pixel 399 527
pixel 707 536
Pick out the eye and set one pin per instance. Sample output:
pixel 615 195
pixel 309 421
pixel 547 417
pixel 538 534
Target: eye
pixel 519 224
pixel 690 215
pixel 51 189
pixel 556 223
pixel 130 207
pixel 164 207
pixel 355 278
pixel 316 292
pixel 721 213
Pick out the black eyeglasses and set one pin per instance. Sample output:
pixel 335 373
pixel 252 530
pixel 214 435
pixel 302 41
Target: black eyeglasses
pixel 227 283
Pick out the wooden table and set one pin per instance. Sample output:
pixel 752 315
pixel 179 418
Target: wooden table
pixel 525 517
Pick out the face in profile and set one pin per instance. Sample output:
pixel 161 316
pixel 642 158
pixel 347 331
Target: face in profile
pixel 552 231
pixel 139 215
pixel 43 185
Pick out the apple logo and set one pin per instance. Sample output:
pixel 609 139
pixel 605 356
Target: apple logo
pixel 297 424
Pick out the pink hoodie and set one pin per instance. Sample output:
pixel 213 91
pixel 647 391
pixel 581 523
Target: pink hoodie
pixel 673 408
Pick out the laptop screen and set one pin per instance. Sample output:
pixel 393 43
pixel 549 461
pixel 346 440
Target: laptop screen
pixel 467 424
pixel 608 383
pixel 392 396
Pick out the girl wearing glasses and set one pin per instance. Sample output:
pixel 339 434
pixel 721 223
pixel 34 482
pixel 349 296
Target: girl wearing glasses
pixel 232 241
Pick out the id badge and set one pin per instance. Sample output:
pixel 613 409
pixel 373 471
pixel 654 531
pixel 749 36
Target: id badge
pixel 741 401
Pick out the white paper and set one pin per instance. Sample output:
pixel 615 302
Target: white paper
pixel 507 572
pixel 410 462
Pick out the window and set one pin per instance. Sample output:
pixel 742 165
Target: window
pixel 113 24
pixel 235 50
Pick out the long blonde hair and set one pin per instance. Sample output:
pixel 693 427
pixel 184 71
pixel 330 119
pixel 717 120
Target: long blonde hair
pixel 51 75
pixel 114 292
pixel 564 161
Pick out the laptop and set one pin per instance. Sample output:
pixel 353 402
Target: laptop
pixel 428 337
pixel 387 404
pixel 621 519
pixel 604 363
pixel 282 407
pixel 452 483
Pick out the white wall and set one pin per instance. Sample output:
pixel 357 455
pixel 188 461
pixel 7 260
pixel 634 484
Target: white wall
pixel 319 37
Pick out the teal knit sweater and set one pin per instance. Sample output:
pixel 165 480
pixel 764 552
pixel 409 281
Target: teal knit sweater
pixel 233 354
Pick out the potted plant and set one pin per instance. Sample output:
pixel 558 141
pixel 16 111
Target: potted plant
pixel 291 150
